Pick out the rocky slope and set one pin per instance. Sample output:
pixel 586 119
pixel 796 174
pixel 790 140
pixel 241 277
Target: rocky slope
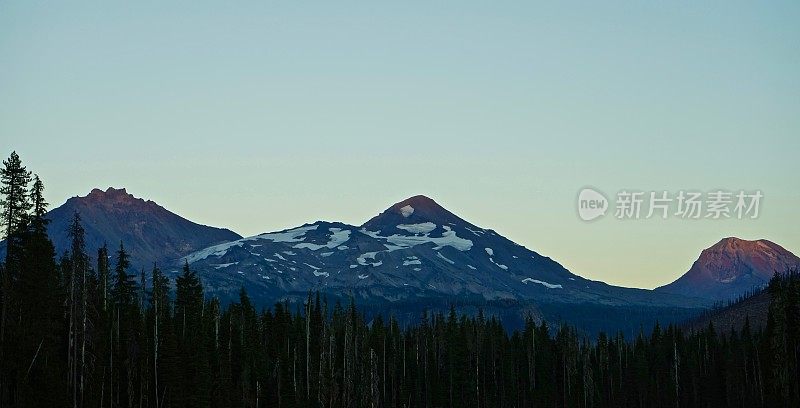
pixel 150 232
pixel 731 268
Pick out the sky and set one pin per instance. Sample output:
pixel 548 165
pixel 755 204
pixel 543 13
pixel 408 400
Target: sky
pixel 259 116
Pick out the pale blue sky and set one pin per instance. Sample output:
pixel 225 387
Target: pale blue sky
pixel 261 116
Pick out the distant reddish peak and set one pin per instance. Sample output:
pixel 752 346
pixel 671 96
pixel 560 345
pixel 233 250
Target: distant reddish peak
pixel 412 210
pixel 112 190
pixel 732 257
pixel 733 266
pixel 420 202
pixel 114 197
pixel 110 193
pixel 737 244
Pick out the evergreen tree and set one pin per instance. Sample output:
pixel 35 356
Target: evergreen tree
pixel 126 330
pixel 188 314
pixel 124 288
pixel 15 204
pixel 80 323
pixel 40 298
pixel 103 273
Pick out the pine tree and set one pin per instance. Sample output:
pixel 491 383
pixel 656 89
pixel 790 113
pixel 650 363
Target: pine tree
pixel 40 312
pixel 124 288
pixel 38 219
pixel 103 273
pixel 188 316
pixel 188 298
pixel 159 309
pixel 15 204
pixel 125 332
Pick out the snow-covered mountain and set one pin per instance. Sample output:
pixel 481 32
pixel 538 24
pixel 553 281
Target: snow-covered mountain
pixel 414 249
pixel 732 267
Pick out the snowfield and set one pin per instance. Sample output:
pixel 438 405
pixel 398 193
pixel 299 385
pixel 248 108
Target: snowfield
pixel 337 238
pixel 407 211
pixel 448 238
pixel 543 283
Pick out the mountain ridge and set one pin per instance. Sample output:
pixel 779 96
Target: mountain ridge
pixel 149 232
pixel 414 248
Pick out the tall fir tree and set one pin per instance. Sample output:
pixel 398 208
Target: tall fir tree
pixel 124 288
pixel 188 319
pixel 103 275
pixel 15 205
pixel 126 331
pixel 40 298
pixel 14 200
pixel 79 304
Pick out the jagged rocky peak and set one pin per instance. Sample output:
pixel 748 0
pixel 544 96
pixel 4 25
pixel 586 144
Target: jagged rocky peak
pixel 111 193
pixel 150 232
pixel 114 197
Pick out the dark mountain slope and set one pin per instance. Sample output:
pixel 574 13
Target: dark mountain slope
pixel 149 231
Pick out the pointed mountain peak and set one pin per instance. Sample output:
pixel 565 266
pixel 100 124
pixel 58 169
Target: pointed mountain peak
pixel 414 210
pixel 418 203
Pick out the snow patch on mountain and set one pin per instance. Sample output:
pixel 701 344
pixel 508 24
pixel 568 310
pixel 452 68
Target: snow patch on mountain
pixel 424 228
pixel 224 265
pixel 499 265
pixel 543 283
pixel 411 260
pixel 407 211
pixel 362 259
pixel 291 235
pixel 216 250
pixel 338 237
pixel 439 254
pixel 448 238
pixel 474 232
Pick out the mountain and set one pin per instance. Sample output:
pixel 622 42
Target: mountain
pixel 414 252
pixel 149 232
pixel 731 268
